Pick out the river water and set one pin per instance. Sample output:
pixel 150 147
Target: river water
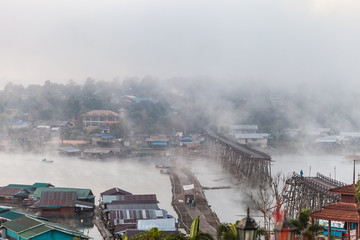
pixel 139 176
pixel 230 204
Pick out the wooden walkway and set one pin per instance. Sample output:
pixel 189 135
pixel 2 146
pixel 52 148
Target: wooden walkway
pixel 208 219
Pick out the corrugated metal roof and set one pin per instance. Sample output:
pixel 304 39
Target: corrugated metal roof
pixel 30 188
pixel 11 215
pixel 340 211
pixel 115 191
pixel 244 127
pixel 33 232
pixel 82 193
pixel 97 150
pixel 158 138
pixel 31 227
pixel 13 191
pixel 57 199
pixel 101 113
pixel 38 185
pixel 143 198
pixel 132 215
pixel 251 135
pixel 21 224
pixel 350 134
pixel 69 149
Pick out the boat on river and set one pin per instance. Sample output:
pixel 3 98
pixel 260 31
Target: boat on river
pixel 47 161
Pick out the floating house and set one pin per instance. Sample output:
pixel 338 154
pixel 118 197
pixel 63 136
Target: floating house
pixel 136 213
pixel 113 194
pixel 102 139
pixel 62 203
pixel 82 194
pixel 69 151
pixel 157 142
pixel 27 227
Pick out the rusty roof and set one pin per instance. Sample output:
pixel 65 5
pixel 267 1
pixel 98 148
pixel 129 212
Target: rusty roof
pixel 145 198
pixel 340 211
pixel 101 113
pixel 346 190
pixel 115 191
pixel 58 199
pixel 123 227
pixel 157 138
pixel 11 191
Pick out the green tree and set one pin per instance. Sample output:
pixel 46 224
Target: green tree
pixel 303 226
pixel 227 231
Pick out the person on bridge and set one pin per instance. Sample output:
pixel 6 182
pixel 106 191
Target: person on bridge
pixel 301 172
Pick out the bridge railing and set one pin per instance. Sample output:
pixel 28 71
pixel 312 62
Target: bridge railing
pixel 312 184
pixel 330 180
pixel 242 149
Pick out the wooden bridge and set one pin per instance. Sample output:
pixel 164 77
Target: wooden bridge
pixel 309 192
pixel 250 166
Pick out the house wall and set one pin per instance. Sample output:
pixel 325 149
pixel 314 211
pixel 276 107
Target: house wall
pixel 64 211
pixel 96 120
pixel 55 235
pixel 109 198
pixel 11 234
pixel 260 142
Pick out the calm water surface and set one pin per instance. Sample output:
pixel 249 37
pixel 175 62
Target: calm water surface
pixel 231 204
pixel 139 176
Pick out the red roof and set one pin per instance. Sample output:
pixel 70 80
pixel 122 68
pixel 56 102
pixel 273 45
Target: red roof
pixel 10 191
pixel 340 211
pixel 136 199
pixel 101 113
pixel 58 199
pixel 346 190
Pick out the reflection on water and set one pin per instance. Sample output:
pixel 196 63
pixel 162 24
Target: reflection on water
pixel 138 176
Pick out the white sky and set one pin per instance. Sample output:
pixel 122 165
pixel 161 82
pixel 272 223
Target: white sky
pixel 277 41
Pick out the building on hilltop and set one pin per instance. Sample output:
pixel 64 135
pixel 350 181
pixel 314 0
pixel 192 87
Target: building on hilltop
pixel 97 118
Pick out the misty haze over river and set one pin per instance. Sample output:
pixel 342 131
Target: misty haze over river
pixel 140 176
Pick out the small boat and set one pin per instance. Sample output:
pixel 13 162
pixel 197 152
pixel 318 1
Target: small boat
pixel 47 161
pixel 161 166
pixel 164 171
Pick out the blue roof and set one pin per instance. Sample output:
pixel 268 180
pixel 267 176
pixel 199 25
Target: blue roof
pixel 186 139
pixel 160 143
pixel 104 135
pixel 19 122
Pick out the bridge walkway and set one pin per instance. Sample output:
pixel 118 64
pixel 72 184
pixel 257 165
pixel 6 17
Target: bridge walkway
pixel 208 219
